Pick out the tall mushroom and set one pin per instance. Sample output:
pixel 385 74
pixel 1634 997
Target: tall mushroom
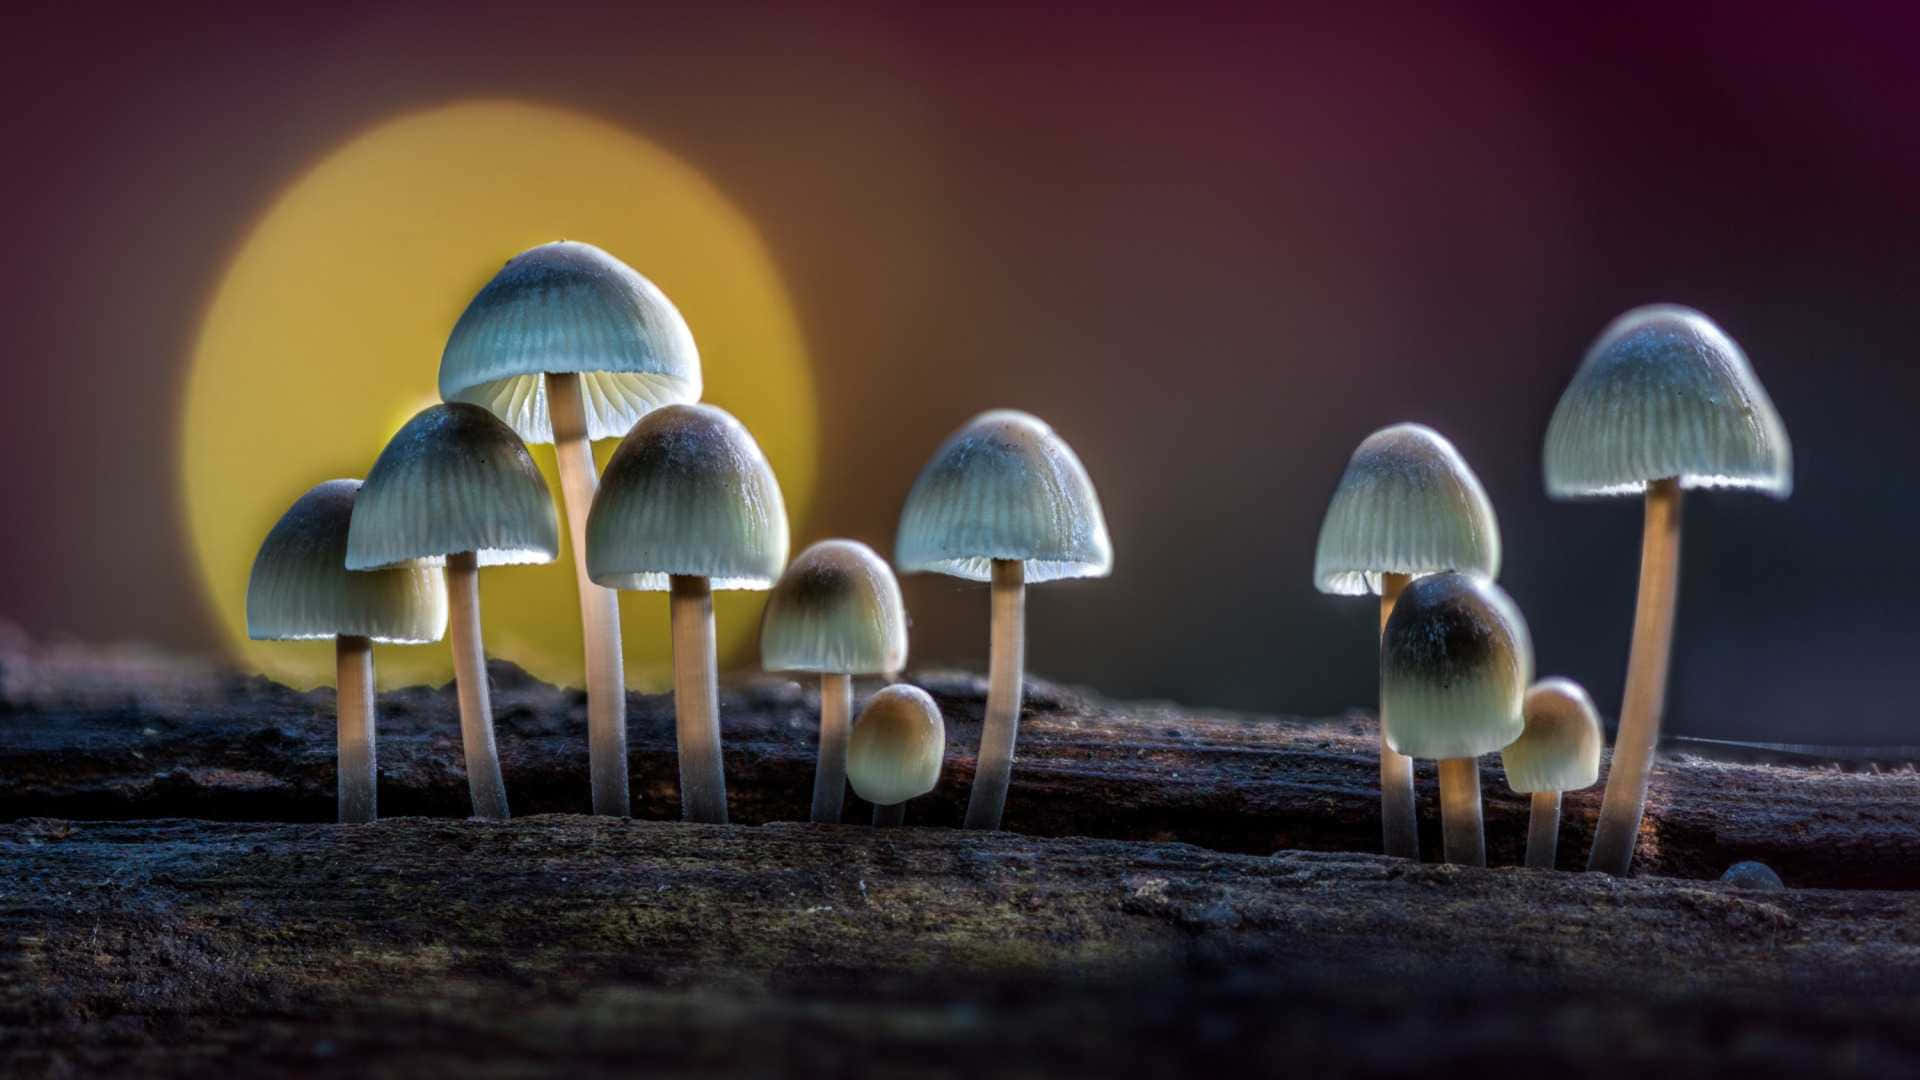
pixel 455 487
pixel 1664 402
pixel 1408 505
pixel 300 589
pixel 1559 751
pixel 689 505
pixel 899 744
pixel 568 344
pixel 1454 667
pixel 1003 500
pixel 836 611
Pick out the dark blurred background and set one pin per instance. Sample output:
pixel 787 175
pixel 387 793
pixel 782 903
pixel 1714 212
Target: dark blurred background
pixel 1214 248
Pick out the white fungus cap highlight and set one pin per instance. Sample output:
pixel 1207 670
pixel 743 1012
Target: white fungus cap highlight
pixel 1004 487
pixel 453 479
pixel 689 493
pixel 1455 662
pixel 1665 393
pixel 1407 504
pixel 570 307
pixel 1560 749
pixel 836 609
pixel 898 745
pixel 301 588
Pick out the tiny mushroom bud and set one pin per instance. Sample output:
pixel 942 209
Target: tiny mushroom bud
pixel 1559 751
pixel 1757 876
pixel 898 746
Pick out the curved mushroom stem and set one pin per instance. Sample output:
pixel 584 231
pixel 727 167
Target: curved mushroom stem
pixel 358 769
pixel 890 815
pixel 489 791
pixel 599 608
pixel 830 772
pixel 1543 830
pixel 1618 831
pixel 994 771
pixel 1464 839
pixel 696 702
pixel 1399 822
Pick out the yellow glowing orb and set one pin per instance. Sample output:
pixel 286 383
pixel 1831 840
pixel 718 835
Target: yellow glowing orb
pixel 325 334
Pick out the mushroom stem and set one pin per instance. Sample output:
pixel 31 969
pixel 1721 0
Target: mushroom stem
pixel 830 773
pixel 994 771
pixel 696 702
pixel 1618 831
pixel 357 767
pixel 1464 838
pixel 1543 830
pixel 489 791
pixel 1399 822
pixel 599 608
pixel 890 815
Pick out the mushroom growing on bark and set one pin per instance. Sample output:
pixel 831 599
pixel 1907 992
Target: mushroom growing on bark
pixel 300 589
pixel 567 344
pixel 689 505
pixel 1663 403
pixel 456 487
pixel 1003 500
pixel 1559 751
pixel 898 746
pixel 1408 505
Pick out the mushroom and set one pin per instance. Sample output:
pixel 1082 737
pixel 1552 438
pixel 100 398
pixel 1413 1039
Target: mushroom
pixel 1559 751
pixel 689 505
pixel 1664 402
pixel 836 611
pixel 1003 500
pixel 568 344
pixel 1455 662
pixel 455 487
pixel 898 746
pixel 1408 505
pixel 300 589
pixel 1757 876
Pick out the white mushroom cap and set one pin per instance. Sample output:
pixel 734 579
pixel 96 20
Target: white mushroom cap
pixel 570 307
pixel 688 492
pixel 897 747
pixel 836 609
pixel 1666 393
pixel 301 588
pixel 1004 487
pixel 1560 750
pixel 1455 662
pixel 453 479
pixel 1407 504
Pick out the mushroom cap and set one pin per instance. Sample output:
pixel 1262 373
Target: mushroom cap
pixel 1665 393
pixel 1004 487
pixel 453 479
pixel 1455 662
pixel 570 307
pixel 301 588
pixel 836 609
pixel 689 493
pixel 1407 504
pixel 1560 749
pixel 1753 875
pixel 897 747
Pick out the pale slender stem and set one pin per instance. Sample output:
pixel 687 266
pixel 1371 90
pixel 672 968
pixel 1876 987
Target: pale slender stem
pixel 1464 838
pixel 1618 831
pixel 599 608
pixel 830 773
pixel 1399 822
pixel 1543 830
pixel 890 815
pixel 696 702
pixel 1001 726
pixel 357 767
pixel 489 791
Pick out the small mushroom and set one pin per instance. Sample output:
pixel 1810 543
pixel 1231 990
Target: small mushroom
pixel 1408 505
pixel 300 589
pixel 1455 662
pixel 836 611
pixel 1664 402
pixel 1559 751
pixel 898 746
pixel 455 487
pixel 1757 876
pixel 689 505
pixel 1003 500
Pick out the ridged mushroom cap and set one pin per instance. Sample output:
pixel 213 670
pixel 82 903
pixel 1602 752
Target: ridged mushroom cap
pixel 301 588
pixel 1455 662
pixel 1407 504
pixel 453 479
pixel 1004 487
pixel 897 747
pixel 1560 748
pixel 570 307
pixel 836 609
pixel 1665 393
pixel 688 492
